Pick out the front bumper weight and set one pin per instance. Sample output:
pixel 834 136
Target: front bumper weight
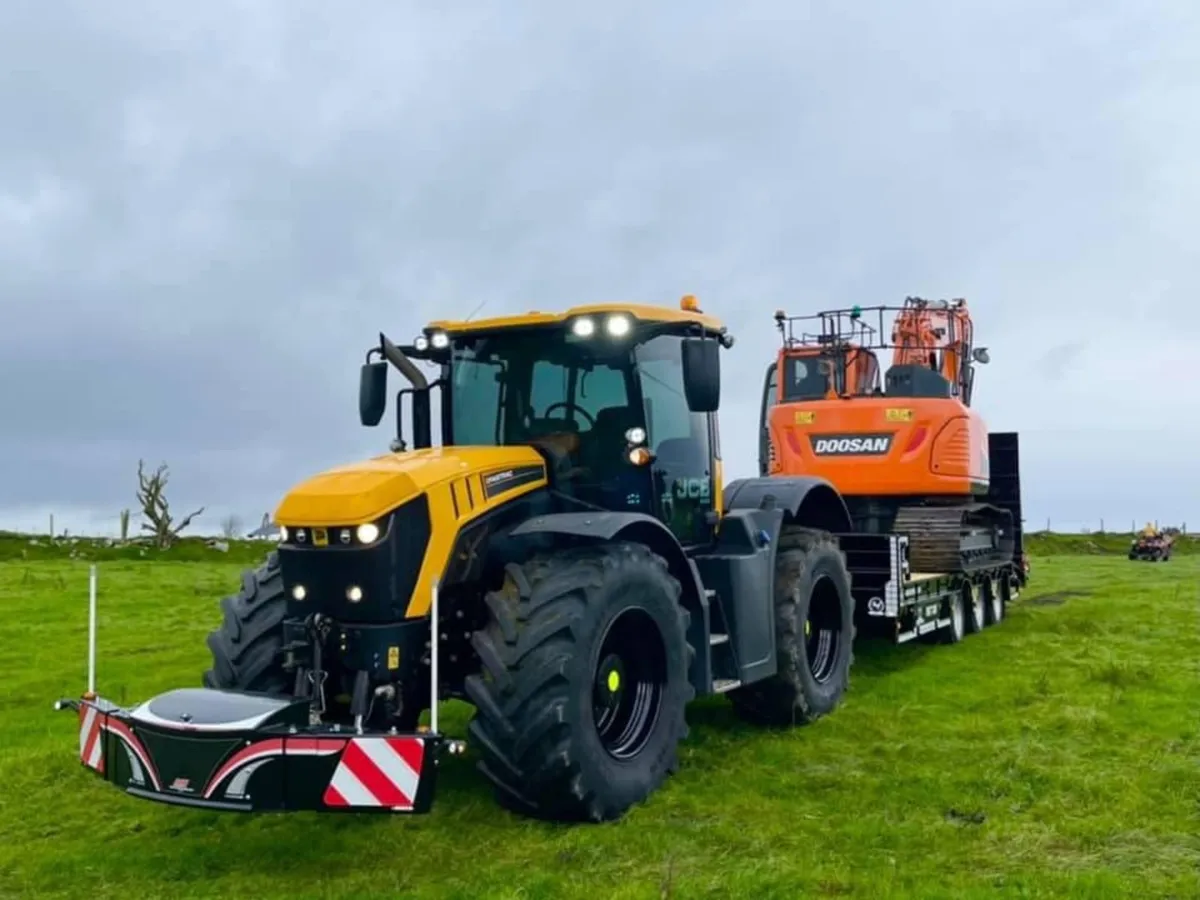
pixel 241 752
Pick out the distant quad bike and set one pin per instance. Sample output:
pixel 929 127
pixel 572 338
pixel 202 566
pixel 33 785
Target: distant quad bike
pixel 1151 547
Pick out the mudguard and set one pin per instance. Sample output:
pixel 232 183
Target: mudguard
pixel 811 502
pixel 607 526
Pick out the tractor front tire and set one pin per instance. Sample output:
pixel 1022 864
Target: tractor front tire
pixel 581 696
pixel 814 634
pixel 246 649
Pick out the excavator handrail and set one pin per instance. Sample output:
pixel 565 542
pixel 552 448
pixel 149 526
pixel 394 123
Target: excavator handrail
pixel 857 315
pixel 934 334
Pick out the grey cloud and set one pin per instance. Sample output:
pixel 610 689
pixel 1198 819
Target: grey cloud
pixel 206 213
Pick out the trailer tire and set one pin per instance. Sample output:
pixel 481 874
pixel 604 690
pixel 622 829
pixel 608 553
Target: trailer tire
pixel 977 611
pixel 566 633
pixel 809 565
pixel 247 647
pixel 957 629
pixel 996 597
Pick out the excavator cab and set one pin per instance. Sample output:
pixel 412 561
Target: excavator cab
pixel 826 365
pixel 827 373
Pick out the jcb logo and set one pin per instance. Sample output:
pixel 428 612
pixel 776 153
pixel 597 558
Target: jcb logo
pixel 851 445
pixel 697 489
pixel 693 488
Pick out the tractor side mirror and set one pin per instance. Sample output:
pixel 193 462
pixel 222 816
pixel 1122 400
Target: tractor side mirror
pixel 980 355
pixel 372 392
pixel 702 374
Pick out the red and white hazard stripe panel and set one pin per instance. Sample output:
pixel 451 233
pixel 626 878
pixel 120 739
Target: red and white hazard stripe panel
pixel 91 743
pixel 378 772
pixel 92 725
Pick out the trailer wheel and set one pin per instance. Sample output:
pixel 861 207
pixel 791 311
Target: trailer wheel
pixel 580 701
pixel 814 629
pixel 995 596
pixel 976 607
pixel 957 629
pixel 246 648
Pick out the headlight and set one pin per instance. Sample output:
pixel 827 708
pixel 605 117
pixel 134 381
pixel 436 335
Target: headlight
pixel 636 435
pixel 440 340
pixel 421 343
pixel 283 532
pixel 583 328
pixel 639 456
pixel 368 533
pixel 617 326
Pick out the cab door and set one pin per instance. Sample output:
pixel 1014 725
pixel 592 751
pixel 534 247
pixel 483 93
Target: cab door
pixel 685 469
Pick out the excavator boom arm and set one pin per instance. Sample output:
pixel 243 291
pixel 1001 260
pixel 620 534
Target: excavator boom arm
pixel 939 336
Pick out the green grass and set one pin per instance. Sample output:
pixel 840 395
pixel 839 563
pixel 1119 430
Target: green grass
pixel 1055 755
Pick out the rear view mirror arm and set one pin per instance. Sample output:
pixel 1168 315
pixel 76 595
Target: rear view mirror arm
pixel 402 363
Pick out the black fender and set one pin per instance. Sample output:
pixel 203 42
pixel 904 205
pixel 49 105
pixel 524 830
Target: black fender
pixel 649 531
pixel 807 501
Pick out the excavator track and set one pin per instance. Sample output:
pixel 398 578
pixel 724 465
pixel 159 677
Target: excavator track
pixel 956 539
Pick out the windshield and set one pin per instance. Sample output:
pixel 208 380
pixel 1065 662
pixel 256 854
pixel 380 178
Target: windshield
pixel 517 387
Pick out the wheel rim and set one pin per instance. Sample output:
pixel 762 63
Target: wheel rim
pixel 957 615
pixel 823 630
pixel 997 599
pixel 628 683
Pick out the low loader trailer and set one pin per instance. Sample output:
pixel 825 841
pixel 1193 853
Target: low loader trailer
pixel 568 560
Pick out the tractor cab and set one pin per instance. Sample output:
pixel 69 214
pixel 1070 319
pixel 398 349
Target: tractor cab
pixel 620 401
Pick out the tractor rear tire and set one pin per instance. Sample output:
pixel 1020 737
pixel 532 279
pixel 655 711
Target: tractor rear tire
pixel 247 648
pixel 542 741
pixel 813 675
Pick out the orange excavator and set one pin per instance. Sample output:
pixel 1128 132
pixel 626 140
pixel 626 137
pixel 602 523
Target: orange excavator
pixel 909 455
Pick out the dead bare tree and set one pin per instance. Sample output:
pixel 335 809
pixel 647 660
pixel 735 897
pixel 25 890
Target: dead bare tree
pixel 156 509
pixel 230 526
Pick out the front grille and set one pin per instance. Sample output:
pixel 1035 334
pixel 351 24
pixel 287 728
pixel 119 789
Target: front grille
pixel 385 572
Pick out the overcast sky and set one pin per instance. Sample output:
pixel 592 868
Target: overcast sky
pixel 209 210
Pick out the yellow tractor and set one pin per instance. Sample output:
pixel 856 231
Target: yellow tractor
pixel 566 559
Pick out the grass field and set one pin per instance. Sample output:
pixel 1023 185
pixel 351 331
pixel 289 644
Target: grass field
pixel 1055 755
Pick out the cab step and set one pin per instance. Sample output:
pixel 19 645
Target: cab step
pixel 725 685
pixel 718 638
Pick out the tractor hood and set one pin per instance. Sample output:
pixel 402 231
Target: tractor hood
pixel 365 491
